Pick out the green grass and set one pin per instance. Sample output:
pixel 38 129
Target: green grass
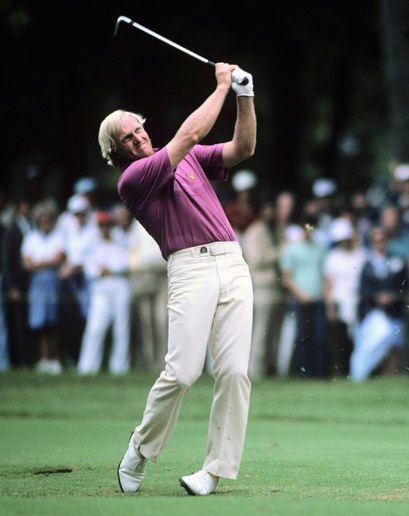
pixel 312 447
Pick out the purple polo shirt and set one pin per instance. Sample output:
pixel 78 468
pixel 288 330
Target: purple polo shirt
pixel 178 208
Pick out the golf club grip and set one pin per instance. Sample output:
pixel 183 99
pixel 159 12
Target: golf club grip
pixel 243 82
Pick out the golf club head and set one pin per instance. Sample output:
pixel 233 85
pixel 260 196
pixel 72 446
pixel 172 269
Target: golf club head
pixel 119 21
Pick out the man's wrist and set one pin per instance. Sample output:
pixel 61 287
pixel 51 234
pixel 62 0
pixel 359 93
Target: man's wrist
pixel 245 99
pixel 224 88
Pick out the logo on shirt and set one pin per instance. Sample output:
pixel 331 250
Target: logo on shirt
pixel 191 176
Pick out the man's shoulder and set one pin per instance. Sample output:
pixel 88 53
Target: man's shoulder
pixel 140 162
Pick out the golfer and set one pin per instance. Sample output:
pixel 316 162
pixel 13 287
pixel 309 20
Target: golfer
pixel 210 290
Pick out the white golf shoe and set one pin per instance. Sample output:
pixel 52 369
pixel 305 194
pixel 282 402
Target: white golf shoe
pixel 200 483
pixel 131 469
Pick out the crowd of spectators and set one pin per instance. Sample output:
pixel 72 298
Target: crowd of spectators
pixel 82 288
pixel 85 287
pixel 330 277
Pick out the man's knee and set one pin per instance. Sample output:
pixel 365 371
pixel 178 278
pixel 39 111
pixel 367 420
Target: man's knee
pixel 185 379
pixel 233 374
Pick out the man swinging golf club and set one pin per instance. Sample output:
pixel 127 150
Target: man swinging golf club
pixel 210 291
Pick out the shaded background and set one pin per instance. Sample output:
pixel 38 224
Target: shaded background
pixel 331 83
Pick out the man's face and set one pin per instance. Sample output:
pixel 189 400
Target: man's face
pixel 105 228
pixel 379 241
pixel 390 218
pixel 81 216
pixel 133 141
pixel 45 222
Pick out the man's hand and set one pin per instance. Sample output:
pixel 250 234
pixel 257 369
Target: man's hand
pixel 302 297
pixel 385 298
pixel 14 295
pixel 105 272
pixel 66 271
pixel 224 74
pixel 242 90
pixel 332 312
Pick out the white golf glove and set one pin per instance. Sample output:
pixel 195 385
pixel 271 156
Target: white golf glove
pixel 242 90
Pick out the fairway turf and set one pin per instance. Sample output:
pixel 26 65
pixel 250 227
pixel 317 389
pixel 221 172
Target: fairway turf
pixel 312 447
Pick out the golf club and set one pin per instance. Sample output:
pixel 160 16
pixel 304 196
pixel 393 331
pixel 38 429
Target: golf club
pixel 124 19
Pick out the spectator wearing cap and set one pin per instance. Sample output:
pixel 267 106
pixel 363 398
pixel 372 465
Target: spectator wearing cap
pixel 381 333
pixel 87 187
pixel 301 264
pixel 238 210
pixel 342 267
pixel 107 268
pixel 43 253
pixel 80 232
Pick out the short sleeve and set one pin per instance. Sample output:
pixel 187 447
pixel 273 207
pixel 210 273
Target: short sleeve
pixel 328 265
pixel 210 158
pixel 144 179
pixel 286 259
pixel 26 245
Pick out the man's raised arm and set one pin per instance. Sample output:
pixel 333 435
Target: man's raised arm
pixel 200 122
pixel 243 143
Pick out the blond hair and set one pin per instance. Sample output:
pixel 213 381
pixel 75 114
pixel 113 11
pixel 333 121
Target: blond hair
pixel 109 130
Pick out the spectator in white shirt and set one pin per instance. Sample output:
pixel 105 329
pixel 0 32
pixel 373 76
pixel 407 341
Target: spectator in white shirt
pixel 79 231
pixel 107 267
pixel 42 252
pixel 342 268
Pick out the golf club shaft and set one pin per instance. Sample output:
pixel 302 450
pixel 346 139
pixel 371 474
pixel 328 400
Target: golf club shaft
pixel 161 38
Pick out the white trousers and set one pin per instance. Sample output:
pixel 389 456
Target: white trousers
pixel 376 336
pixel 286 343
pixel 110 304
pixel 210 299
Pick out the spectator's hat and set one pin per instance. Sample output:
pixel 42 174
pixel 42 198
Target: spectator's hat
pixel 85 185
pixel 402 172
pixel 104 218
pixel 244 180
pixel 324 187
pixel 341 229
pixel 77 204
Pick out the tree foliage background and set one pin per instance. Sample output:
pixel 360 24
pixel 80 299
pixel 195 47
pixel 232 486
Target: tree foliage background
pixel 328 81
